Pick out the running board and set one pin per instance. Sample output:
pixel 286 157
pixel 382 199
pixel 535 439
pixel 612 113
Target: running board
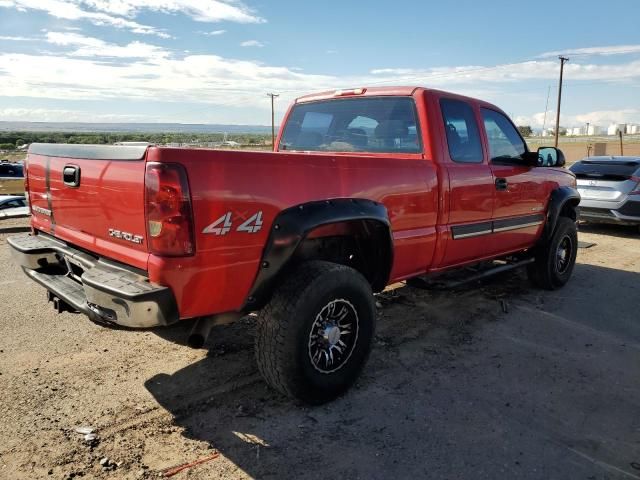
pixel 419 282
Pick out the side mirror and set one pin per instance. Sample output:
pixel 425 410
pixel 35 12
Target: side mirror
pixel 550 157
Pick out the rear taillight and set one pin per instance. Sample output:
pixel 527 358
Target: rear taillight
pixel 636 189
pixel 168 210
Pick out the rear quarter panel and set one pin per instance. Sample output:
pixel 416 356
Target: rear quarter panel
pixel 219 276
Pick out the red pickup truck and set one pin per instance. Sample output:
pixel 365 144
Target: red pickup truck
pixel 365 188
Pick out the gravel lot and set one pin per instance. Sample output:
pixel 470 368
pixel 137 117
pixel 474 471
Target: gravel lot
pixel 497 381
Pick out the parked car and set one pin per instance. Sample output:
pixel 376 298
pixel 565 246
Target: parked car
pixel 13 206
pixel 11 178
pixel 610 189
pixel 367 187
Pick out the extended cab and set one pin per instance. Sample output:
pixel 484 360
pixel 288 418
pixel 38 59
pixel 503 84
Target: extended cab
pixel 365 188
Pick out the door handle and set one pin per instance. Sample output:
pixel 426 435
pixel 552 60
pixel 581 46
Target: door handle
pixel 501 184
pixel 71 175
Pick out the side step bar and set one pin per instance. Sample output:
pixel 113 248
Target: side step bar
pixel 419 282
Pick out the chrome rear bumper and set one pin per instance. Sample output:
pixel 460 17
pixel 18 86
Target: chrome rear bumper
pixel 102 290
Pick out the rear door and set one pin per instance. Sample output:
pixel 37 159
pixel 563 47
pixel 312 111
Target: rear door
pixel 91 196
pixel 521 191
pixel 471 187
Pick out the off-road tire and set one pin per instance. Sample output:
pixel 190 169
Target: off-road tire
pixel 548 271
pixel 283 342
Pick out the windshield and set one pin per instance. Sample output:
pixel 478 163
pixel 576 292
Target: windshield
pixel 373 124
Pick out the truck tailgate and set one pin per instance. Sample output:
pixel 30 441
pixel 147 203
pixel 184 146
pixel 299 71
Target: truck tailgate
pixel 91 196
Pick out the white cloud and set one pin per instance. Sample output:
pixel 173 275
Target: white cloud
pixel 217 80
pixel 606 117
pixel 530 70
pixel 94 47
pixel 70 10
pixel 252 43
pixel 204 79
pixel 214 33
pixel 119 13
pixel 199 10
pixel 611 50
pixel 16 39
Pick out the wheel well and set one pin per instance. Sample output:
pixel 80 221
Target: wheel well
pixel 570 209
pixel 364 245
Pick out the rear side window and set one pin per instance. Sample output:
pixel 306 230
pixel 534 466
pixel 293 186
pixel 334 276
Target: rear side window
pixel 503 138
pixel 463 135
pixel 367 124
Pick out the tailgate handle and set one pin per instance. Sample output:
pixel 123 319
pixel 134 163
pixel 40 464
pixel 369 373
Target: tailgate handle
pixel 71 175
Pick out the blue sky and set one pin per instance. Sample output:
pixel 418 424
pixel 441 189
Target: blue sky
pixel 213 61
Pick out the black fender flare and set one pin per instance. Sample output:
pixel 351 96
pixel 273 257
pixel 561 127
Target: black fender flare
pixel 560 198
pixel 292 226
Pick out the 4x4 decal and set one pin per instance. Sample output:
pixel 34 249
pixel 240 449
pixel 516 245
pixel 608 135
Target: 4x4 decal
pixel 224 224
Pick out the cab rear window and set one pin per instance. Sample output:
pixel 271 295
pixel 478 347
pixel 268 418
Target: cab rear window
pixel 372 124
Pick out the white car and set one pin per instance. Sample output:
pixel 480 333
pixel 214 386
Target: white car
pixel 12 206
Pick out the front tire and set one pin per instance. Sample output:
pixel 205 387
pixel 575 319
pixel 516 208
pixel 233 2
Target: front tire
pixel 555 260
pixel 314 336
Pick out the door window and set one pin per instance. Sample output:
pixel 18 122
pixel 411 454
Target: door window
pixel 504 139
pixel 463 136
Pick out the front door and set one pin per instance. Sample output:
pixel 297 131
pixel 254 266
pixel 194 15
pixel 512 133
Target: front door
pixel 520 193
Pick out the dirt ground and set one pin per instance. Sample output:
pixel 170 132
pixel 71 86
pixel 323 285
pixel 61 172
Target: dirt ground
pixel 497 381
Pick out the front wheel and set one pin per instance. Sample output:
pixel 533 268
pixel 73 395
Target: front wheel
pixel 314 336
pixel 555 260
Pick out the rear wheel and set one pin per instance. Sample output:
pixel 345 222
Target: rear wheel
pixel 314 336
pixel 555 260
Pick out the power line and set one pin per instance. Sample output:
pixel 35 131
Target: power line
pixel 546 108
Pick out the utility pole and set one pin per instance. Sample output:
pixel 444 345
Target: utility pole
pixel 621 148
pixel 562 62
pixel 273 120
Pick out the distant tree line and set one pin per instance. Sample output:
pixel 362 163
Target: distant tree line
pixel 13 140
pixel 525 130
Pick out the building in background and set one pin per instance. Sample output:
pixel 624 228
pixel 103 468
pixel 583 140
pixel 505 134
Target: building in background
pixel 587 129
pixel 614 128
pixel 594 129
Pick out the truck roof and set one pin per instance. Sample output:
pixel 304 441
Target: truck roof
pixel 379 91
